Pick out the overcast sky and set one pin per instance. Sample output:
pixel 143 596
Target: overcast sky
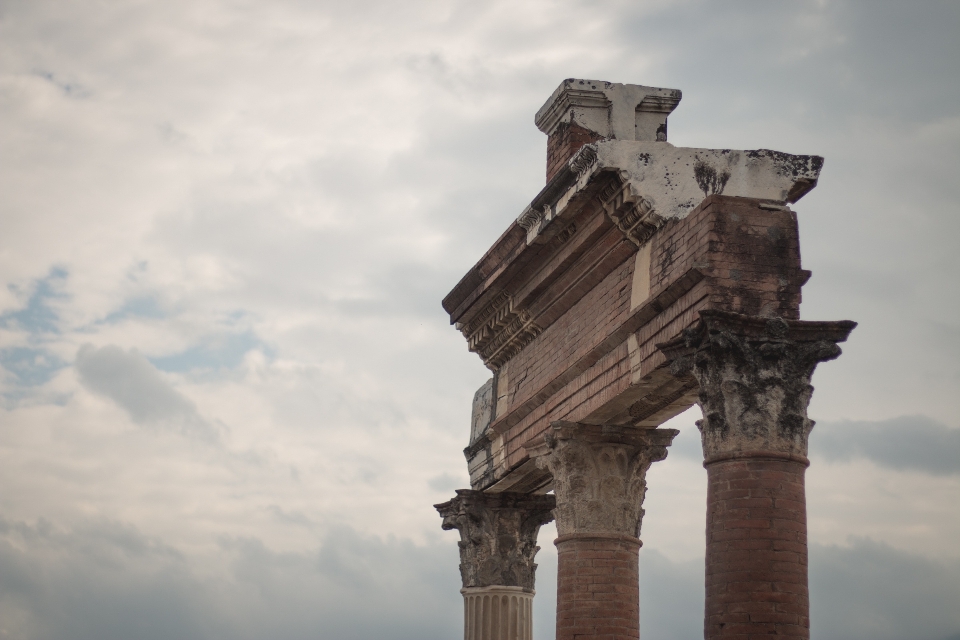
pixel 229 395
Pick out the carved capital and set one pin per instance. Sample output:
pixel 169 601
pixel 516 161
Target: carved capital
pixel 599 474
pixel 754 375
pixel 498 535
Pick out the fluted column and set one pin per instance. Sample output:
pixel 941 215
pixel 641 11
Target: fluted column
pixel 599 475
pixel 754 375
pixel 498 543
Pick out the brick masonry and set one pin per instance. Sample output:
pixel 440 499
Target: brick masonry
pixel 749 259
pixel 756 564
pixel 598 584
pixel 564 143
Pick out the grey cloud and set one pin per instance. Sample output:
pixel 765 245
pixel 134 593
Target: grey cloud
pixel 447 483
pixel 907 443
pixel 671 597
pixel 873 591
pixel 847 57
pixel 128 378
pixel 106 580
pixel 54 585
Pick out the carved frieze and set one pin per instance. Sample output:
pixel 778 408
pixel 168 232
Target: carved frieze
pixel 498 535
pixel 754 375
pixel 599 474
pixel 499 331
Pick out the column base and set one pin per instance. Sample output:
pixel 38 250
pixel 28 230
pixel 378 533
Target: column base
pixel 497 613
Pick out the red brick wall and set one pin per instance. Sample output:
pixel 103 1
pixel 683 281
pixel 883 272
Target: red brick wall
pixel 601 310
pixel 751 255
pixel 750 259
pixel 564 143
pixel 598 591
pixel 756 566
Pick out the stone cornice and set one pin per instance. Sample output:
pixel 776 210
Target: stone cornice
pixel 499 331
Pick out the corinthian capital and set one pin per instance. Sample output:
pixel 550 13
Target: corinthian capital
pixel 599 474
pixel 754 375
pixel 498 535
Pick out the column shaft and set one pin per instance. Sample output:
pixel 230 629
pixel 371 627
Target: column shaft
pixel 756 563
pixel 497 613
pixel 598 587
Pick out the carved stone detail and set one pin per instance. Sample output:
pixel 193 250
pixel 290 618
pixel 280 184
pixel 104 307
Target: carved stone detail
pixel 754 376
pixel 499 331
pixel 599 474
pixel 633 214
pixel 498 535
pixel 530 218
pixel 584 159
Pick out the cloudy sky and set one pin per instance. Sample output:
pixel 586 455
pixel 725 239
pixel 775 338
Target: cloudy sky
pixel 229 395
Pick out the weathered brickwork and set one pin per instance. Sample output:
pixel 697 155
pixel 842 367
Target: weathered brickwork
pixel 756 579
pixel 748 248
pixel 564 143
pixel 599 312
pixel 598 582
pixel 749 259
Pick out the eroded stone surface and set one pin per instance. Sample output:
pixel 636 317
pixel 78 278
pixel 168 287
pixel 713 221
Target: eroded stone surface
pixel 482 410
pixel 660 182
pixel 754 375
pixel 610 109
pixel 599 474
pixel 498 535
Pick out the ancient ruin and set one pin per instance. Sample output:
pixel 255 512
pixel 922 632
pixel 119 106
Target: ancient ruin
pixel 642 279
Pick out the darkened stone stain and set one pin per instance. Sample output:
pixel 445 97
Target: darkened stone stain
pixel 710 181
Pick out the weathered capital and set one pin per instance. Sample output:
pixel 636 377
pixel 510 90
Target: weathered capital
pixel 498 535
pixel 754 375
pixel 599 474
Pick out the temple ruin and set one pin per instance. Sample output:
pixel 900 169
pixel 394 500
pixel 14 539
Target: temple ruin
pixel 642 279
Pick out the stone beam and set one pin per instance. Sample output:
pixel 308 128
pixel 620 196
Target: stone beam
pixel 657 182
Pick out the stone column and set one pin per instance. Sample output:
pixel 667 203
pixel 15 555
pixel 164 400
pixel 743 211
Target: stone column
pixel 599 481
pixel 498 542
pixel 754 375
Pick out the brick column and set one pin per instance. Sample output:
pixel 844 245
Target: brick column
pixel 754 375
pixel 599 481
pixel 498 542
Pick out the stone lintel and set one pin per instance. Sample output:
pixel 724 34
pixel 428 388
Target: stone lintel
pixel 610 109
pixel 656 182
pixel 599 474
pixel 498 535
pixel 754 376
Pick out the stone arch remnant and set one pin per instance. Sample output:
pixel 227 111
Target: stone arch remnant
pixel 642 279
